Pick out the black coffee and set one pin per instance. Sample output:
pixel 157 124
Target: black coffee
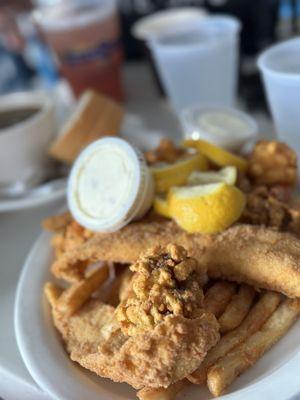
pixel 9 118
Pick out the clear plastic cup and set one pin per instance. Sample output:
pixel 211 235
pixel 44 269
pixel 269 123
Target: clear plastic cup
pixel 226 127
pixel 280 68
pixel 199 65
pixel 85 39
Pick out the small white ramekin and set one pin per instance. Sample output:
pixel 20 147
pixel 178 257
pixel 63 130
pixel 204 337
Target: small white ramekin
pixel 138 200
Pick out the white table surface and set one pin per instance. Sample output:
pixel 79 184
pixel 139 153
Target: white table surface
pixel 18 231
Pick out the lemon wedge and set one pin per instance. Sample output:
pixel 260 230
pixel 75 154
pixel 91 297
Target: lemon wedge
pixel 217 155
pixel 206 208
pixel 166 176
pixel 161 206
pixel 226 174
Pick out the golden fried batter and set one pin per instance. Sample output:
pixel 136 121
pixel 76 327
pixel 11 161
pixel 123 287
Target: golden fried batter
pixel 166 282
pixel 256 255
pixel 156 357
pixel 72 236
pixel 57 222
pixel 273 163
pixel 271 207
pixel 165 152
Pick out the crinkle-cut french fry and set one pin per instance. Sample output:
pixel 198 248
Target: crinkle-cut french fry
pixel 169 393
pixel 118 286
pixel 257 316
pixel 218 296
pixel 223 373
pixel 125 286
pixel 52 293
pixel 237 309
pixel 78 293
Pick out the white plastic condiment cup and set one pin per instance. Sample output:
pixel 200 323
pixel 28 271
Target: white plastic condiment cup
pixel 110 185
pixel 226 127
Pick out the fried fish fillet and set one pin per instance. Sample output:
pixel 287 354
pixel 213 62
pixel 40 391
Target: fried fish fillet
pixel 256 255
pixel 150 359
pixel 155 358
pixel 167 343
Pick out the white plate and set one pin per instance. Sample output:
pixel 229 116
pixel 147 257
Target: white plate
pixel 276 375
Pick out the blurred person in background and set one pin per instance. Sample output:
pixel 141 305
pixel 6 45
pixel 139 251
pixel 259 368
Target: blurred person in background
pixel 25 59
pixel 13 45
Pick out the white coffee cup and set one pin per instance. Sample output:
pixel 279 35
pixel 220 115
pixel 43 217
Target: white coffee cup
pixel 24 145
pixel 280 68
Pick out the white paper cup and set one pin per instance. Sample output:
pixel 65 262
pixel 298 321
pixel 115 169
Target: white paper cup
pixel 280 67
pixel 24 145
pixel 199 65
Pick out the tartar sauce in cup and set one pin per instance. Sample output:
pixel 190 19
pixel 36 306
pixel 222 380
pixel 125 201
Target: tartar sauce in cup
pixel 223 126
pixel 110 185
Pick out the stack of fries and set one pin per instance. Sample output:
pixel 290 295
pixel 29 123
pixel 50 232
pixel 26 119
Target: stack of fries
pixel 251 323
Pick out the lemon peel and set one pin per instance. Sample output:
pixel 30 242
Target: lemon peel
pixel 217 155
pixel 207 208
pixel 226 175
pixel 176 174
pixel 161 206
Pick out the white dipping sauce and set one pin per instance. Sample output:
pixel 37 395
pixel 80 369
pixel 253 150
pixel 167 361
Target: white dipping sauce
pixel 110 185
pixel 223 124
pixel 104 182
pixel 225 127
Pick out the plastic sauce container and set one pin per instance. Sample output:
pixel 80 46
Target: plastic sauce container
pixel 110 185
pixel 223 126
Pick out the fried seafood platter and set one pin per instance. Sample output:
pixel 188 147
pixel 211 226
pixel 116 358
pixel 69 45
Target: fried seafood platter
pixel 197 290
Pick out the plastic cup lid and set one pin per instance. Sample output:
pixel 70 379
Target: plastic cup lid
pixel 166 21
pixel 190 121
pixel 106 184
pixel 73 14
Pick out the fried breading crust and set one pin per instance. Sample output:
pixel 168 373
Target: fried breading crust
pixel 166 282
pixel 273 162
pixel 155 358
pixel 259 256
pixel 123 246
pixel 272 208
pixel 57 222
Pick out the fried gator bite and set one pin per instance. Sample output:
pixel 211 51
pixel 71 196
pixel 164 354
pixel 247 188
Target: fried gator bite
pixel 166 282
pixel 161 349
pixel 273 163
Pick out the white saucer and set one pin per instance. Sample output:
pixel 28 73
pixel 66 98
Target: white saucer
pixel 39 196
